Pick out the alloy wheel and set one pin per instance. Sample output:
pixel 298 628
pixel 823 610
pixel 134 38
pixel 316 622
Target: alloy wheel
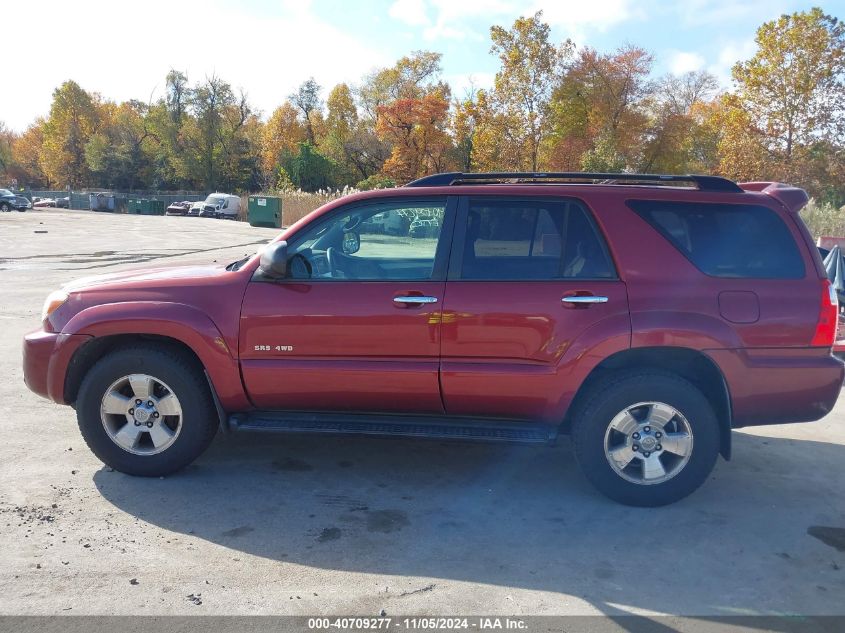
pixel 141 414
pixel 648 443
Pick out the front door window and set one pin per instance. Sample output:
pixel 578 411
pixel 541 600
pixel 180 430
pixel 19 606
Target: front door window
pixel 392 241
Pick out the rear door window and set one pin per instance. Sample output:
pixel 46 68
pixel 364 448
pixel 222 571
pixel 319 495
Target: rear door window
pixel 532 240
pixel 726 240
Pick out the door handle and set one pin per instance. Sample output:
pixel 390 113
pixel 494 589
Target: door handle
pixel 584 299
pixel 414 300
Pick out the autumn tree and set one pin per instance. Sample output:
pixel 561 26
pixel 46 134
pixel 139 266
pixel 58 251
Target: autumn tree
pixel 342 114
pixel 416 129
pixel 26 153
pixel 741 151
pixel 678 138
pixel 340 125
pixel 465 118
pixel 494 147
pixel 411 77
pixel 792 95
pixel 530 67
pixel 280 139
pixel 602 100
pixel 407 95
pixel 73 119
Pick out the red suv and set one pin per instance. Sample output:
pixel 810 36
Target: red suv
pixel 646 316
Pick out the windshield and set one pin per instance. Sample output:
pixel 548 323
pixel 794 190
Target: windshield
pixel 215 200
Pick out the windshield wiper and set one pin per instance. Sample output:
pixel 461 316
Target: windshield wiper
pixel 237 265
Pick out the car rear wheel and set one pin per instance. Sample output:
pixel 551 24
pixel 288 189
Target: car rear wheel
pixel 146 411
pixel 646 439
pixel 5 207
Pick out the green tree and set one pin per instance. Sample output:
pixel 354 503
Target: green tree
pixel 117 154
pixel 178 95
pixel 213 136
pixel 7 137
pixel 309 169
pixel 307 100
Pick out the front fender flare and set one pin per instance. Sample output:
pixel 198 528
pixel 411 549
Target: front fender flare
pixel 181 322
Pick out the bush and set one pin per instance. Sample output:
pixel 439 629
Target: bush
pixel 376 181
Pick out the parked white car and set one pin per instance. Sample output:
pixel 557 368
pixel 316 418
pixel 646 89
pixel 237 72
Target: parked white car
pixel 220 205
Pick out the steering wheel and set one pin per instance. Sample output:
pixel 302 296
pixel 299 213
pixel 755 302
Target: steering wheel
pixel 332 261
pixel 300 267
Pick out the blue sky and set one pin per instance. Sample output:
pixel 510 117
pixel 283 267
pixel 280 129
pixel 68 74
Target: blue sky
pixel 267 47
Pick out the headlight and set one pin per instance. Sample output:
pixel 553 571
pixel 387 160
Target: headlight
pixel 54 300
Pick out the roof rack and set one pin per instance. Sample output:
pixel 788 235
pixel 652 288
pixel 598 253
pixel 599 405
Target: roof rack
pixel 703 183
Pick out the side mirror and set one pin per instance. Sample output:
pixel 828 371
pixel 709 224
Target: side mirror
pixel 351 242
pixel 274 260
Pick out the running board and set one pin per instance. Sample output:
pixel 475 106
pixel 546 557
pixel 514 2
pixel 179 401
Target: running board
pixel 431 427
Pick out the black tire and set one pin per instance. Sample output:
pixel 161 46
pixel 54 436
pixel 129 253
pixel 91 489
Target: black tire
pixel 613 395
pixel 4 207
pixel 199 417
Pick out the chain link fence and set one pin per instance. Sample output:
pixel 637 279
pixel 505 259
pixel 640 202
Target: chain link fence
pixel 81 200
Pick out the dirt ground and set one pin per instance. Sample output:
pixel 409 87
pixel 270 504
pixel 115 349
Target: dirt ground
pixel 334 525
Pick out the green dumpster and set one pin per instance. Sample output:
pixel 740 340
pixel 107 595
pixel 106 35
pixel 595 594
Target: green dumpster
pixel 265 211
pixel 145 206
pixel 155 207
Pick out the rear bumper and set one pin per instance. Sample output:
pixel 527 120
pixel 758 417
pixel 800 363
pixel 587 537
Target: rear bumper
pixel 777 386
pixel 46 356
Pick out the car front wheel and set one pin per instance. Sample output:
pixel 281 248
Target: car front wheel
pixel 646 439
pixel 5 207
pixel 146 411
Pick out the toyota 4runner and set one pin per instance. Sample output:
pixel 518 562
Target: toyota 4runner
pixel 646 316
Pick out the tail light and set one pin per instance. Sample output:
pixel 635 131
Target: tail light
pixel 828 317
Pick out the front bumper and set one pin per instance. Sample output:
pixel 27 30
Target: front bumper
pixel 46 356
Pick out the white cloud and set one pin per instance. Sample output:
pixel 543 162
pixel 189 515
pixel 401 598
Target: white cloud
pixel 463 84
pixel 731 53
pixel 697 13
pixel 577 17
pixel 681 62
pixel 125 53
pixel 452 19
pixel 412 12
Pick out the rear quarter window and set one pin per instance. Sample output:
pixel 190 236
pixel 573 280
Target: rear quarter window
pixel 726 240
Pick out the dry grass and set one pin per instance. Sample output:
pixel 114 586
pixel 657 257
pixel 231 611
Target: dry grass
pixel 296 204
pixel 824 219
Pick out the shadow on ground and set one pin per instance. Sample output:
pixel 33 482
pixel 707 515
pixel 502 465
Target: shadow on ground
pixel 520 517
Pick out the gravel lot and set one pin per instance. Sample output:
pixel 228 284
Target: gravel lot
pixel 324 526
